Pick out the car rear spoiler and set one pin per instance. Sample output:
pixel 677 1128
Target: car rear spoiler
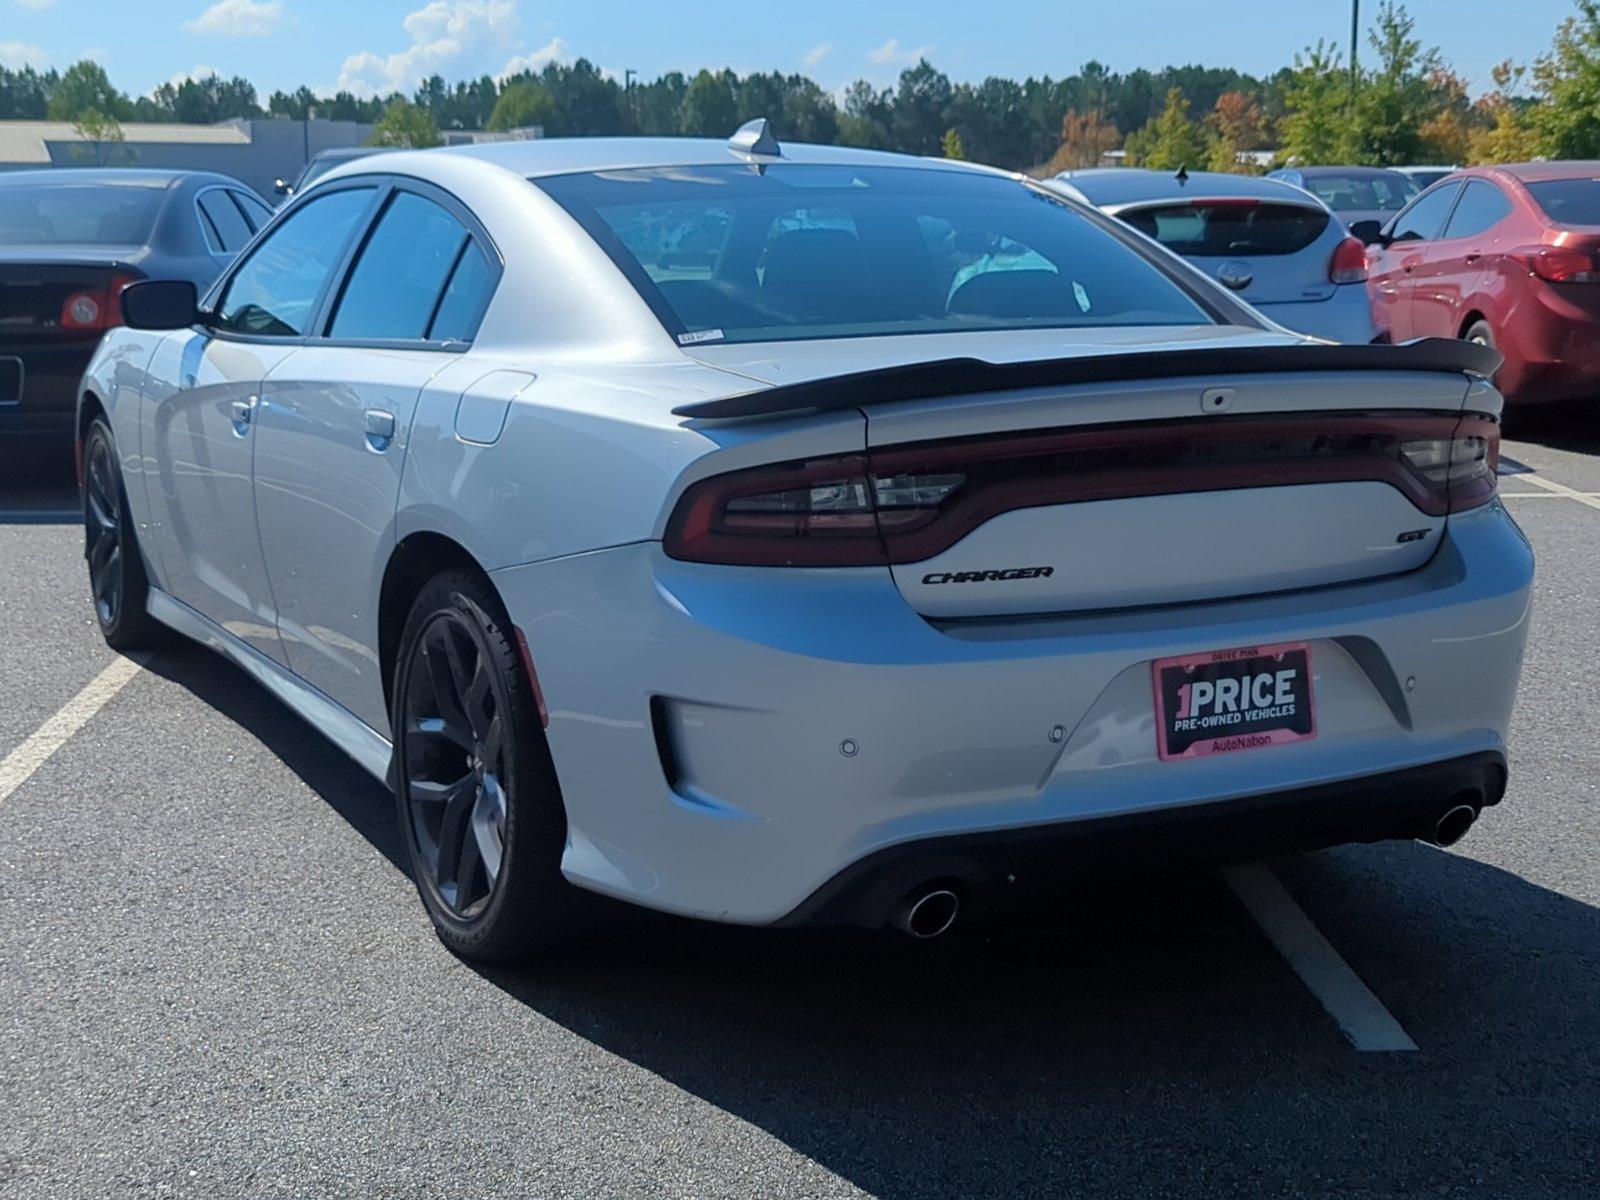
pixel 961 376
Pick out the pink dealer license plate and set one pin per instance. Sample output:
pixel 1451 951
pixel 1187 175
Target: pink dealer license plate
pixel 1227 700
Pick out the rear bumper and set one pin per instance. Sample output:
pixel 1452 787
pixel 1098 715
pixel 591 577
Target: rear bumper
pixel 1551 341
pixel 1345 316
pixel 51 372
pixel 1005 867
pixel 730 739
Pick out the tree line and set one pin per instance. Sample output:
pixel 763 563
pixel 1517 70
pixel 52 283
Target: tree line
pixel 1401 104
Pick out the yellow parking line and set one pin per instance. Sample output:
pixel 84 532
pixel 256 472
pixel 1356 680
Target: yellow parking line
pixel 18 766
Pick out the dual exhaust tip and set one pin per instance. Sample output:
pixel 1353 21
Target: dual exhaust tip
pixel 929 913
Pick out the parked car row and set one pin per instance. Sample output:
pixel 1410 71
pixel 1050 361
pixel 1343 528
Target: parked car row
pixel 1505 256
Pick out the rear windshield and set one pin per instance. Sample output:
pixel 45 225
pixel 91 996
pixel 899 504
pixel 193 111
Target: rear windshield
pixel 1569 201
pixel 1231 227
pixel 729 253
pixel 106 214
pixel 1362 193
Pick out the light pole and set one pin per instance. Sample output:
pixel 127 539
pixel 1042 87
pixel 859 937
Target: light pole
pixel 1355 33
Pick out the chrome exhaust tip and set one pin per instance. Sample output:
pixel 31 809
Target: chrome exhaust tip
pixel 1453 825
pixel 929 914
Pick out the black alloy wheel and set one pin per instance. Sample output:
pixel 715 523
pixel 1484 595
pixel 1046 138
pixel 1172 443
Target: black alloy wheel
pixel 477 795
pixel 117 581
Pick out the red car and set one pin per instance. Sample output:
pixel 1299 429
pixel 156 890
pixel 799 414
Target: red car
pixel 1507 255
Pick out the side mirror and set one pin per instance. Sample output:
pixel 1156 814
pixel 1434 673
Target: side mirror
pixel 1369 231
pixel 281 187
pixel 160 304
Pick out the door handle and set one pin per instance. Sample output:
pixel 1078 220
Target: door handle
pixel 379 429
pixel 1471 256
pixel 243 411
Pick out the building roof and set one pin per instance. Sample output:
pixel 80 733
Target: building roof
pixel 26 141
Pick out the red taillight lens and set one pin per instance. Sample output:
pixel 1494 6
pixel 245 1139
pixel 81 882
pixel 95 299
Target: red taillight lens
pixel 903 504
pixel 1465 466
pixel 98 308
pixel 1559 264
pixel 1349 264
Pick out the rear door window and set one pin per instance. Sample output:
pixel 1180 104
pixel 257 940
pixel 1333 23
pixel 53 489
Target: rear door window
pixel 1223 227
pixel 1424 219
pixel 225 224
pixel 257 213
pixel 1482 207
pixel 464 297
pixel 276 288
pixel 399 277
pixel 1569 201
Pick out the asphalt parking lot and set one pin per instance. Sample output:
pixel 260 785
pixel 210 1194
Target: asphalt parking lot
pixel 217 980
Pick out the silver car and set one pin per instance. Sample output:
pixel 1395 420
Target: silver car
pixel 788 534
pixel 1280 248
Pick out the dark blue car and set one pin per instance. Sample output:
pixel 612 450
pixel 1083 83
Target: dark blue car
pixel 70 241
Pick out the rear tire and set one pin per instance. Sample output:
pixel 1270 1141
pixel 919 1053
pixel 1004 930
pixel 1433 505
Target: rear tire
pixel 118 584
pixel 479 804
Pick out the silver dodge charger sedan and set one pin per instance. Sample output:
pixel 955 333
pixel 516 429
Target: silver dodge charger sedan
pixel 786 534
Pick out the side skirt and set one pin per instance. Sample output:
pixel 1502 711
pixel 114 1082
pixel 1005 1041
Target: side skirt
pixel 371 750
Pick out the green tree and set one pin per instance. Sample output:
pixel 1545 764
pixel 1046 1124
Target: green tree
pixel 84 86
pixel 406 126
pixel 1395 99
pixel 1511 136
pixel 709 106
pixel 1568 79
pixel 866 116
pixel 522 104
pixel 920 114
pixel 102 137
pixel 1170 140
pixel 1316 126
pixel 950 145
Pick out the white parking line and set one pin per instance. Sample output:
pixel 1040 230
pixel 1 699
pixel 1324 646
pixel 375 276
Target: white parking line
pixel 18 766
pixel 1561 489
pixel 1362 1016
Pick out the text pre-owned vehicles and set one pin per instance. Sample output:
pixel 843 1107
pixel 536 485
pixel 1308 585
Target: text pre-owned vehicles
pixel 1280 249
pixel 1364 197
pixel 70 241
pixel 1508 256
pixel 932 524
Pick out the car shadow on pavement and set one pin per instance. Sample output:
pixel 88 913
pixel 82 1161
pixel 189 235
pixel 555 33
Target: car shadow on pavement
pixel 1141 1039
pixel 37 487
pixel 1564 425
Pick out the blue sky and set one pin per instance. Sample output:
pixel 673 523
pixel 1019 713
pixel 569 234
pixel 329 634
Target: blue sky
pixel 377 45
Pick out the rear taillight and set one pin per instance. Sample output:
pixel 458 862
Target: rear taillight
pixel 96 308
pixel 1349 264
pixel 1465 466
pixel 1559 264
pixel 907 503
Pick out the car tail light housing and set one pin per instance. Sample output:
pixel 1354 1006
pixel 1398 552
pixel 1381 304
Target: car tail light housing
pixel 1559 264
pixel 907 503
pixel 95 308
pixel 1349 262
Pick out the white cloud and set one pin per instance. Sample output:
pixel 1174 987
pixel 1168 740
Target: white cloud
pixel 890 53
pixel 23 54
pixel 238 18
pixel 443 33
pixel 552 51
pixel 197 74
pixel 35 5
pixel 817 53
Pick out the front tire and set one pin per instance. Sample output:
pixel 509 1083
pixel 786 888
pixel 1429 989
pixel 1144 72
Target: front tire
pixel 117 581
pixel 479 804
